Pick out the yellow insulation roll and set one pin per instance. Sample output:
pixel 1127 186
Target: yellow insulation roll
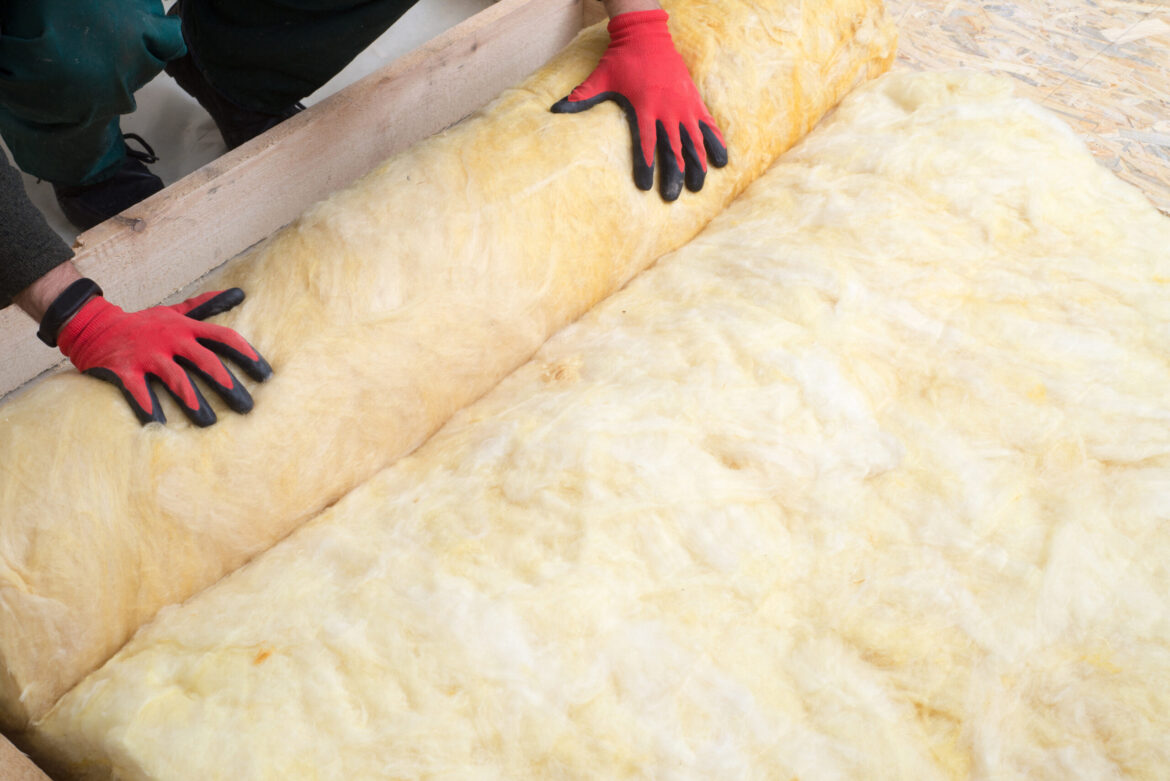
pixel 867 481
pixel 383 311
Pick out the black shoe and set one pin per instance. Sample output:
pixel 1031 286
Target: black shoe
pixel 88 204
pixel 236 124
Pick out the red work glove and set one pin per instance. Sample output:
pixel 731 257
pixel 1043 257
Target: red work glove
pixel 643 73
pixel 168 344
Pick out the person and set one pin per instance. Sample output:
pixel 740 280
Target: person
pixel 69 70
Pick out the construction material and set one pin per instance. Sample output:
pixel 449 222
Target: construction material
pixel 867 481
pixel 1097 65
pixel 382 310
pixel 166 242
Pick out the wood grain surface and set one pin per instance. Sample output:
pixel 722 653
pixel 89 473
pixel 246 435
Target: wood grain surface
pixel 15 766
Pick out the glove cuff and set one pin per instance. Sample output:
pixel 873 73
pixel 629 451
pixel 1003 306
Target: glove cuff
pixel 64 306
pixel 88 319
pixel 633 23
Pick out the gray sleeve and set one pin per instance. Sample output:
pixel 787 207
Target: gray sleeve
pixel 28 246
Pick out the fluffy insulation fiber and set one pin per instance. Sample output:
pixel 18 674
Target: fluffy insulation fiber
pixel 871 480
pixel 383 310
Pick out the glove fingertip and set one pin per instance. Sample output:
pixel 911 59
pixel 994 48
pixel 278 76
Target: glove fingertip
pixel 240 400
pixel 145 417
pixel 227 299
pixel 716 150
pixel 262 369
pixel 671 190
pixel 643 174
pixel 574 103
pixel 234 394
pixel 696 169
pixel 153 415
pixel 257 368
pixel 671 185
pixel 671 170
pixel 564 106
pixel 643 146
pixel 696 177
pixel 202 415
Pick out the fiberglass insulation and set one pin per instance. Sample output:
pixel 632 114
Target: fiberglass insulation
pixel 869 480
pixel 383 310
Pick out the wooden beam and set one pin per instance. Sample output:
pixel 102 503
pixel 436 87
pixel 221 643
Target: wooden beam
pixel 592 12
pixel 175 237
pixel 15 766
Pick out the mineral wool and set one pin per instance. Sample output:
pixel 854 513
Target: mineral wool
pixel 870 480
pixel 383 310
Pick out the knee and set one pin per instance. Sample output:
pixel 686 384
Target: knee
pixel 88 66
pixel 76 85
pixel 117 56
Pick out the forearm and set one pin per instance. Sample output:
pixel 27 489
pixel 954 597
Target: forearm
pixel 615 7
pixel 30 251
pixel 35 298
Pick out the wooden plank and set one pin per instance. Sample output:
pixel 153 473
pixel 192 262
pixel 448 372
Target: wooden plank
pixel 592 12
pixel 15 766
pixel 1100 66
pixel 175 237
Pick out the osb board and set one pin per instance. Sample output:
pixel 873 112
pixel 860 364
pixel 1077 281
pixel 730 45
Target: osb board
pixel 1101 65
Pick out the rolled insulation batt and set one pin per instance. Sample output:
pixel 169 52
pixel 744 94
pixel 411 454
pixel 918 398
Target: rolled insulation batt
pixel 867 481
pixel 383 311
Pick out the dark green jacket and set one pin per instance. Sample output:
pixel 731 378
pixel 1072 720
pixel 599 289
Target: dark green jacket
pixel 28 246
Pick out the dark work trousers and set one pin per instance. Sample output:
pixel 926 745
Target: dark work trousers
pixel 69 69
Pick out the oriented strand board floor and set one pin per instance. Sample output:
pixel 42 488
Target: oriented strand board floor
pixel 1102 65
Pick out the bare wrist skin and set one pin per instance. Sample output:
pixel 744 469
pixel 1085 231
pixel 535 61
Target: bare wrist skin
pixel 615 7
pixel 35 298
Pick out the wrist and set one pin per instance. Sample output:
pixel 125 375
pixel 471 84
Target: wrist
pixel 617 7
pixel 64 310
pixel 639 24
pixel 35 299
pixel 91 319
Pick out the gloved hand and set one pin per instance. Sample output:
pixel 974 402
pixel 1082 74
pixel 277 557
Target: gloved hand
pixel 168 344
pixel 643 73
